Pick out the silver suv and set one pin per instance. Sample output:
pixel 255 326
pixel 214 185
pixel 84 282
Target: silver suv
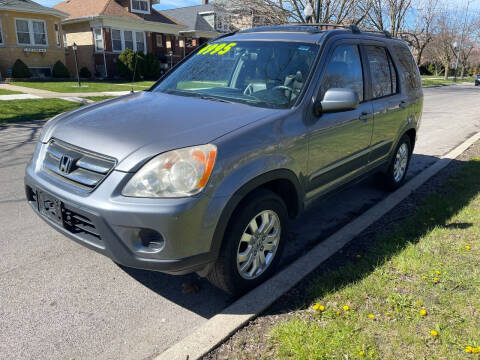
pixel 201 172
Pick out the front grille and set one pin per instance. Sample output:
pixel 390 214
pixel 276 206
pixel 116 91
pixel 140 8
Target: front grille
pixel 86 169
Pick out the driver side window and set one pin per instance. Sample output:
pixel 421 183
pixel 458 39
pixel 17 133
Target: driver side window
pixel 344 70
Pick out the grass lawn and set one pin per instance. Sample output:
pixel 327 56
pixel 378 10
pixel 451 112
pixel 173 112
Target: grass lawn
pixel 34 109
pixel 431 80
pixel 9 92
pixel 99 98
pixel 414 294
pixel 87 86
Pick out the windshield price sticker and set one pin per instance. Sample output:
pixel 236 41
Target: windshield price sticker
pixel 217 49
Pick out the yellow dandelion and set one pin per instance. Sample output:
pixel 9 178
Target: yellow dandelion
pixel 424 277
pixel 338 312
pixel 476 158
pixel 316 306
pixel 387 314
pixel 423 312
pixel 436 279
pixel 437 272
pixel 467 247
pixel 358 256
pixel 468 349
pixel 371 316
pixel 476 350
pixel 361 353
pixel 346 308
pixel 433 333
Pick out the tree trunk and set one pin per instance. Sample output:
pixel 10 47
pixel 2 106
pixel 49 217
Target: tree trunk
pixel 446 71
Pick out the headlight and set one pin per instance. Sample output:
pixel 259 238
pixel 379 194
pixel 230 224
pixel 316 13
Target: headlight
pixel 178 173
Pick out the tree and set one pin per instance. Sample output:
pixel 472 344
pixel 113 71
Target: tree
pixel 389 15
pixel 287 11
pixel 420 35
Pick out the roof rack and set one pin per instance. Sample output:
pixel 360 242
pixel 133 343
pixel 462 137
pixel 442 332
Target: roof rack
pixel 353 28
pixel 322 26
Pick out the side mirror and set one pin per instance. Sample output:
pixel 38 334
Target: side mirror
pixel 336 100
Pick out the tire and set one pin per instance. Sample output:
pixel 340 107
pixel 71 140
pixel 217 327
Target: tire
pixel 394 178
pixel 226 273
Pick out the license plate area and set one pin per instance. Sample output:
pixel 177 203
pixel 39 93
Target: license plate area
pixel 50 207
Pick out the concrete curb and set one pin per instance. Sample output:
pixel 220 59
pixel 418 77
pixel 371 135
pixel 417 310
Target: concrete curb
pixel 223 325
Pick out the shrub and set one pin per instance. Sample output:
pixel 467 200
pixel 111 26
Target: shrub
pixel 60 70
pixel 85 73
pixel 126 64
pixel 151 67
pixel 20 70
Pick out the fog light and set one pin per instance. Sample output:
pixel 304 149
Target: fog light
pixel 151 240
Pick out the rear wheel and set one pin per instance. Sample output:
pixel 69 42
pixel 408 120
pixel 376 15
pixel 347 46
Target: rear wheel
pixel 397 170
pixel 253 243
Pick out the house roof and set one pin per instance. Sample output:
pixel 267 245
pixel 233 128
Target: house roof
pixel 189 16
pixel 29 6
pixel 113 8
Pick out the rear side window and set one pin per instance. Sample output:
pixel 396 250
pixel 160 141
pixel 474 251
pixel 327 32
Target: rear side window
pixel 408 69
pixel 344 70
pixel 384 77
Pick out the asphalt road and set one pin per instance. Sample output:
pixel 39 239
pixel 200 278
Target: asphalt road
pixel 59 300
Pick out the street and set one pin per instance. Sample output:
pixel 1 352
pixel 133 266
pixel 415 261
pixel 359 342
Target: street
pixel 59 300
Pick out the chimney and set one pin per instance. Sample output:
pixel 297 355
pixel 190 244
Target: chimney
pixel 205 2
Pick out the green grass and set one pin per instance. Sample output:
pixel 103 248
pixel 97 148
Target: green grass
pixel 87 86
pixel 99 98
pixel 35 109
pixel 9 92
pixel 431 80
pixel 429 261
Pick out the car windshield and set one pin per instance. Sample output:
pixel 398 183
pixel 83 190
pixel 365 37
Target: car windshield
pixel 258 73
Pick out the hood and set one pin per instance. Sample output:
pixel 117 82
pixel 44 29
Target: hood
pixel 136 127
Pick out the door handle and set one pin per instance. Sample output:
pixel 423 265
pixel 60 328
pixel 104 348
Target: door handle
pixel 364 116
pixel 403 105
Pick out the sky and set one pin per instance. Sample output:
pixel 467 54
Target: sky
pixel 164 4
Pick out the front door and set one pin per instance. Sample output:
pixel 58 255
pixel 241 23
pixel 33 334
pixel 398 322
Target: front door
pixel 339 142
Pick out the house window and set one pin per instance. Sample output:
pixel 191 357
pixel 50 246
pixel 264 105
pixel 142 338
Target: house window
pixel 116 40
pixel 159 39
pixel 141 6
pixel 99 39
pixel 127 39
pixel 57 35
pixel 128 35
pixel 31 32
pixel 1 34
pixel 140 41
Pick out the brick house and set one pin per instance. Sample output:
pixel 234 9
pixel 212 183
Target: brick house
pixel 102 29
pixel 32 33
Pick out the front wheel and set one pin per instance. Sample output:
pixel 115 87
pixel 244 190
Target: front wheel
pixel 397 170
pixel 253 243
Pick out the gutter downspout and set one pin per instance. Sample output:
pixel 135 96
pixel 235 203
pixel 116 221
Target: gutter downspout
pixel 104 57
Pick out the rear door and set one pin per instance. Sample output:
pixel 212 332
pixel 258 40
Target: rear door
pixel 339 142
pixel 390 104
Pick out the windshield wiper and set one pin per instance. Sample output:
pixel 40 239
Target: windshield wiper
pixel 213 98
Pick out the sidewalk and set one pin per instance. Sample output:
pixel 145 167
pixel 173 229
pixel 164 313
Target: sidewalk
pixel 29 92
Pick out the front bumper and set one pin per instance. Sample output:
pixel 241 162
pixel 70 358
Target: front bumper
pixel 113 223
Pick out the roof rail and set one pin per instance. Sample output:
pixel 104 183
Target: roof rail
pixel 322 26
pixel 353 28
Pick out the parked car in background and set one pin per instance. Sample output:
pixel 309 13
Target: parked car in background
pixel 477 80
pixel 202 172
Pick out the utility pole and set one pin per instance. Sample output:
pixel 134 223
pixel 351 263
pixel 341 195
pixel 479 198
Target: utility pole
pixel 317 11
